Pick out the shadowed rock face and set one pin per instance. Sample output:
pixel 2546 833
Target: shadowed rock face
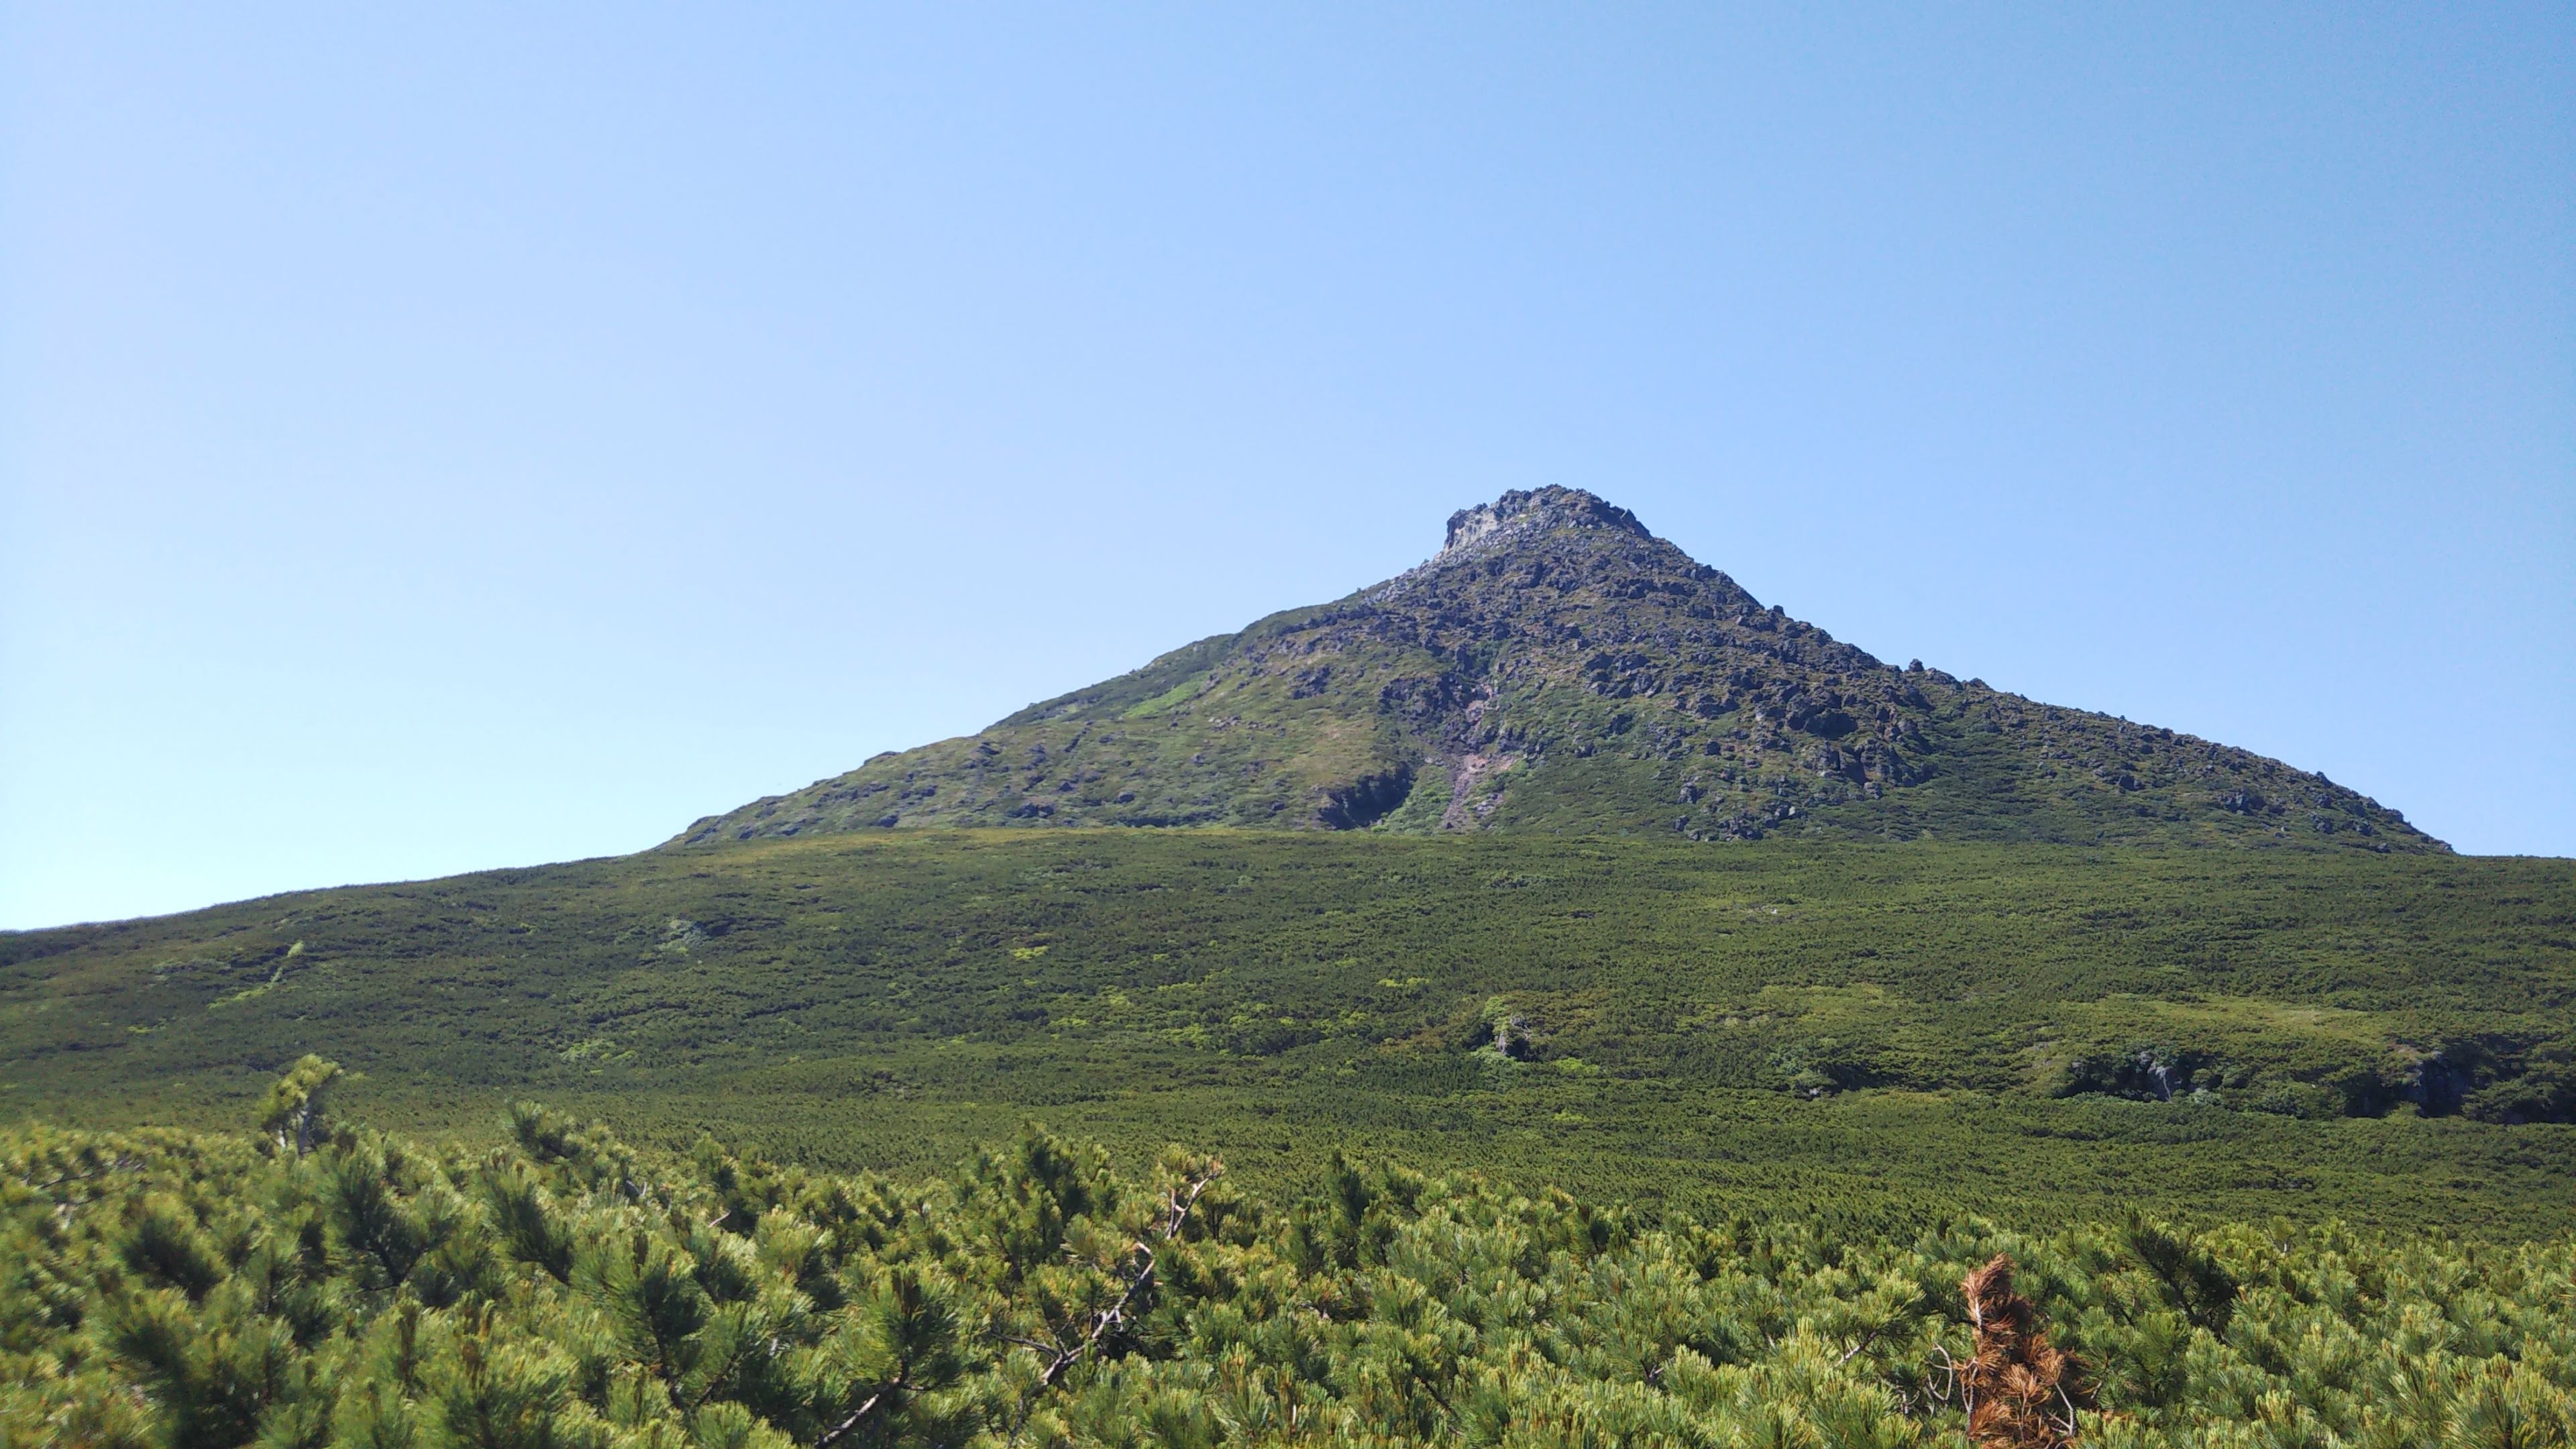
pixel 1557 667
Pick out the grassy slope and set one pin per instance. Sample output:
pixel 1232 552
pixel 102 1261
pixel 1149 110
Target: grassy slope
pixel 887 998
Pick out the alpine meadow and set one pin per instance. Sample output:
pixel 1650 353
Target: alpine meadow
pixel 1547 998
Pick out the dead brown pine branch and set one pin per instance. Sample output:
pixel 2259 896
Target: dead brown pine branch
pixel 2013 1386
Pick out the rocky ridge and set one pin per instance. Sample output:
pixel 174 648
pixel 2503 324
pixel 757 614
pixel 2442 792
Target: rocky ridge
pixel 1557 667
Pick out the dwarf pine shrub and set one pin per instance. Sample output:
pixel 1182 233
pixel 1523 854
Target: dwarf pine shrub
pixel 342 1287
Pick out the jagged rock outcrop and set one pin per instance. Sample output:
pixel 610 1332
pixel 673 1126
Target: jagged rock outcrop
pixel 1557 667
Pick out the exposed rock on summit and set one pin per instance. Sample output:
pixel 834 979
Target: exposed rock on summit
pixel 1518 514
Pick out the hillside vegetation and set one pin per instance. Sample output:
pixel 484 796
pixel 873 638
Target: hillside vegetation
pixel 1557 669
pixel 1875 1032
pixel 1524 1099
pixel 339 1287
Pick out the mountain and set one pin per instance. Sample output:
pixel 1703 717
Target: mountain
pixel 1442 945
pixel 1558 668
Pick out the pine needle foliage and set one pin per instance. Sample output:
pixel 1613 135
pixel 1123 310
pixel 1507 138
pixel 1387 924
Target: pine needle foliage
pixel 562 1291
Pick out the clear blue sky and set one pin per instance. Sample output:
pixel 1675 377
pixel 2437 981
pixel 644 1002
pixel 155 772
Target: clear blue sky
pixel 483 436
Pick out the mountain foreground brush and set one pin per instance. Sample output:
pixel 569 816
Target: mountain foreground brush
pixel 561 1289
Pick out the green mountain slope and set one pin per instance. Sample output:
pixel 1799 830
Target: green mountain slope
pixel 2010 1029
pixel 1475 925
pixel 1557 668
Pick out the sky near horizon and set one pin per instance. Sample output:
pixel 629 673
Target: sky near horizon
pixel 436 439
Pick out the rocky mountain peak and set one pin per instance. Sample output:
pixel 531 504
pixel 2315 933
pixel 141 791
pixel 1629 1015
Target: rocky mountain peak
pixel 1557 668
pixel 1526 512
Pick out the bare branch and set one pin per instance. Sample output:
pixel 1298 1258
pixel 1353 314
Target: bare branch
pixel 834 1435
pixel 1176 1215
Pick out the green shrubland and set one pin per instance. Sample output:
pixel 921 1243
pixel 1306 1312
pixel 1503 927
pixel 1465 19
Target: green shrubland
pixel 327 1285
pixel 1882 1032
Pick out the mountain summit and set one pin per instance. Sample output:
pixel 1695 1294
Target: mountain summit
pixel 1556 667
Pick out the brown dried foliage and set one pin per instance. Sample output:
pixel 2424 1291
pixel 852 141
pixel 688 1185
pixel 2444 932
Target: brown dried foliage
pixel 2020 1391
